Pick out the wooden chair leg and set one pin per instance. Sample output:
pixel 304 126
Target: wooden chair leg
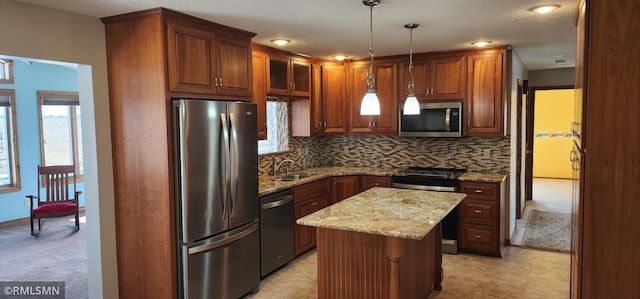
pixel 39 224
pixel 31 221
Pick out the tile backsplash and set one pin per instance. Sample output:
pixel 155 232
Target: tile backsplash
pixel 482 154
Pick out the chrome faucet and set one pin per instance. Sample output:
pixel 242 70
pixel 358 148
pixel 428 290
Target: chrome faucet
pixel 276 165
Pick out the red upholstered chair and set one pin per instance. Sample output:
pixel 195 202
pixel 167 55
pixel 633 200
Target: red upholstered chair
pixel 57 200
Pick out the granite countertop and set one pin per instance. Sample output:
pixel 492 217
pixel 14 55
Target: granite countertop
pixel 268 184
pixel 483 177
pixel 402 213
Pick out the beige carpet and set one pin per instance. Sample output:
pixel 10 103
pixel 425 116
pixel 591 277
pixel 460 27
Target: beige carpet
pixel 548 231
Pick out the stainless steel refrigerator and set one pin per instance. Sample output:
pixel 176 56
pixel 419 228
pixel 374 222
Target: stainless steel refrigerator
pixel 217 204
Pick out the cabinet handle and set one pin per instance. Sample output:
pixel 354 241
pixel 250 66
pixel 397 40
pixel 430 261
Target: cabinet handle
pixel 478 237
pixel 220 82
pixel 325 124
pixel 319 125
pixel 477 191
pixel 477 211
pixel 215 79
pixel 293 86
pixel 374 124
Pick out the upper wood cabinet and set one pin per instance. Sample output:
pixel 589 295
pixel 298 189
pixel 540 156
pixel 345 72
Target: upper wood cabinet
pixel 259 61
pixel 288 75
pixel 207 61
pixel 485 105
pixel 386 85
pixel 334 115
pixel 435 78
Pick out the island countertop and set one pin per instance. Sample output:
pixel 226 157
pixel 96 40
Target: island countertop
pixel 403 213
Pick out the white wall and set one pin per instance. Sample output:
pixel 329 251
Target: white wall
pixel 38 32
pixel 518 71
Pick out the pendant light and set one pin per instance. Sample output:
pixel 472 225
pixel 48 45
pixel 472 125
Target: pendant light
pixel 370 104
pixel 411 105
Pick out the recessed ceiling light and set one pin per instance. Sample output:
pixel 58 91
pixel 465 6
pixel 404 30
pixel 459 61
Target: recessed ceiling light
pixel 543 9
pixel 280 41
pixel 340 57
pixel 482 43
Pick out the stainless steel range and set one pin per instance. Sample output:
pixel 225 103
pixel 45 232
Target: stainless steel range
pixel 434 179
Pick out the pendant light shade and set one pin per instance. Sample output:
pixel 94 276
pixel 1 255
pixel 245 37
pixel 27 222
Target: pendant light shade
pixel 370 104
pixel 411 105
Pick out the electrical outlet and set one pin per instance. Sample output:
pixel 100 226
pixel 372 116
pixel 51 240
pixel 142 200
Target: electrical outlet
pixel 26 202
pixel 487 154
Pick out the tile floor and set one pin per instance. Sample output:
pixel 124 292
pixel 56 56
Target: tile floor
pixel 521 273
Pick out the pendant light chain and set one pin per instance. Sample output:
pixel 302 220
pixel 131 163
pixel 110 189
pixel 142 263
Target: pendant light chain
pixel 411 83
pixel 371 81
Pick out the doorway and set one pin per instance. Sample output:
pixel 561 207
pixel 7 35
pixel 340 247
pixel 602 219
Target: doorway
pixel 548 134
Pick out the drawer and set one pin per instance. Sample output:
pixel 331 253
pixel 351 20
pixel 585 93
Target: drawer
pixel 480 191
pixel 479 212
pixel 479 238
pixel 310 190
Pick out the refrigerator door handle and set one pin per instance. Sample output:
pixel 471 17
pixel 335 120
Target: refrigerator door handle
pixel 225 241
pixel 225 187
pixel 234 161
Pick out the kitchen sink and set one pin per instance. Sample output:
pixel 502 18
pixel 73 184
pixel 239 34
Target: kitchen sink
pixel 293 177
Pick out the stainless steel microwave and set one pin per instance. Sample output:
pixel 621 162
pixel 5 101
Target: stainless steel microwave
pixel 435 120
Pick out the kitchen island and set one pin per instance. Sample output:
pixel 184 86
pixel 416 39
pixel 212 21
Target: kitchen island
pixel 381 243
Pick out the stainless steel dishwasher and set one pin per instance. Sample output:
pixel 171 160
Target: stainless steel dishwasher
pixel 277 228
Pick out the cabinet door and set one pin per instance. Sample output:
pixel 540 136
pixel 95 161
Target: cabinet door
pixel 387 89
pixel 448 78
pixel 344 187
pixel 305 236
pixel 233 66
pixel 278 74
pixel 357 84
pixel 259 97
pixel 369 181
pixel 334 99
pixel 484 106
pixel 420 78
pixel 190 57
pixel 300 77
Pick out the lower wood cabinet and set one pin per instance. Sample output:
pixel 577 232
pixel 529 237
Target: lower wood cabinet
pixel 309 198
pixel 481 218
pixel 344 187
pixel 369 181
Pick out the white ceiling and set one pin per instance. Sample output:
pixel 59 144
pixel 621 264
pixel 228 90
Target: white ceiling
pixel 328 27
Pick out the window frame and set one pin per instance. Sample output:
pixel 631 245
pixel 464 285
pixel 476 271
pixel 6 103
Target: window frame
pixel 8 64
pixel 14 155
pixel 74 128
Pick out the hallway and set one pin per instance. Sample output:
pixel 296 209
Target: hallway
pixel 553 195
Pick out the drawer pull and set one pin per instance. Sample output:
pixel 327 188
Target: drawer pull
pixel 478 237
pixel 477 211
pixel 477 191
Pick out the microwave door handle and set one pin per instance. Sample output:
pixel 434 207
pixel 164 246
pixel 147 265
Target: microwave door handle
pixel 447 119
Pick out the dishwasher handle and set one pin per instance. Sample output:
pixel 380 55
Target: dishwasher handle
pixel 274 204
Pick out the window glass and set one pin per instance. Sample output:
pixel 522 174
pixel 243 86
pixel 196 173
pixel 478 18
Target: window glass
pixel 6 71
pixel 9 176
pixel 61 134
pixel 277 128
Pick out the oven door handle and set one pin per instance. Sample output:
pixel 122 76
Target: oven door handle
pixel 425 188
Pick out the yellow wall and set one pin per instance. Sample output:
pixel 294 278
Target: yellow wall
pixel 553 114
